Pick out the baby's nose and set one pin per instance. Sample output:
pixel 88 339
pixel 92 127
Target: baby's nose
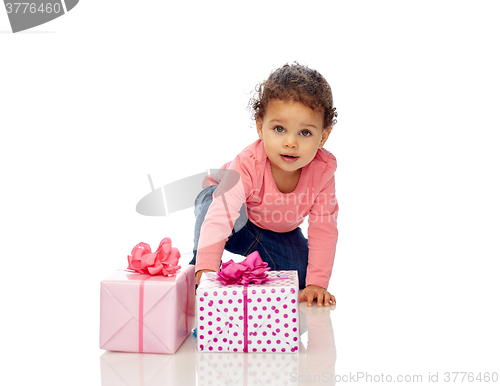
pixel 290 141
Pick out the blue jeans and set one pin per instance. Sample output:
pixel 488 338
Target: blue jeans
pixel 281 251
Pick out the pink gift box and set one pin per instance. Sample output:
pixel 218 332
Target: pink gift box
pixel 253 318
pixel 144 313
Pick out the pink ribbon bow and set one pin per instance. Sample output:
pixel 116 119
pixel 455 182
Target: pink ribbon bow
pixel 164 261
pixel 250 270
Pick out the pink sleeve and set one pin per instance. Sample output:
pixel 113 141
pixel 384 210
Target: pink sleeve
pixel 222 214
pixel 322 236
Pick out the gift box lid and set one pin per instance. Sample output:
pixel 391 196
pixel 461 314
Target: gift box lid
pixel 284 279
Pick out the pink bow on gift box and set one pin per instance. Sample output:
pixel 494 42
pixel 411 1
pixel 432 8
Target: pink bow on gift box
pixel 164 261
pixel 250 270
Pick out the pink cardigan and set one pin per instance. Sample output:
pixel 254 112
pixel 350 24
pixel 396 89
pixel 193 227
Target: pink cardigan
pixel 270 209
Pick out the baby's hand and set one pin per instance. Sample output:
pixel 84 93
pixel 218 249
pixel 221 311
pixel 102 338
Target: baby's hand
pixel 198 274
pixel 312 292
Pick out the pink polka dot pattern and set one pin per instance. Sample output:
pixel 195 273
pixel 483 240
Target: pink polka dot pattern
pixel 219 369
pixel 271 309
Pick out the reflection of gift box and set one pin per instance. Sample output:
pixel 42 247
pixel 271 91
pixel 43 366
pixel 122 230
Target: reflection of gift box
pixel 131 369
pixel 248 318
pixel 144 313
pixel 246 369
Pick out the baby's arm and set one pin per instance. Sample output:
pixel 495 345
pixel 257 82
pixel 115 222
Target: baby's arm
pixel 322 240
pixel 219 220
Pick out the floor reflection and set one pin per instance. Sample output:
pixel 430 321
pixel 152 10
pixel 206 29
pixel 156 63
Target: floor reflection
pixel 317 352
pixel 314 363
pixel 132 369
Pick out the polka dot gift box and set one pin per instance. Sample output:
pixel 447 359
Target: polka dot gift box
pixel 248 317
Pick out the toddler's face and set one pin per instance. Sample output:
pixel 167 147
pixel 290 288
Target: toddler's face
pixel 292 133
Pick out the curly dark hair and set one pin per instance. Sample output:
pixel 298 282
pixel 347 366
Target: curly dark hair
pixel 299 83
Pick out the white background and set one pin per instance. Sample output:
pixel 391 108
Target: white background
pixel 92 102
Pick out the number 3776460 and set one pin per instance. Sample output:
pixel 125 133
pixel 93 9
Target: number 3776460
pixel 34 8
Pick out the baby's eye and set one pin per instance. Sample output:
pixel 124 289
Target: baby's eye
pixel 279 129
pixel 305 133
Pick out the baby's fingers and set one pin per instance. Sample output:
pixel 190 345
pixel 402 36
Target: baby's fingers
pixel 302 296
pixel 320 299
pixel 199 273
pixel 310 297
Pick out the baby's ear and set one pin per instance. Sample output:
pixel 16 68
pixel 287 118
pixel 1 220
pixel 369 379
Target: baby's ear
pixel 324 136
pixel 258 123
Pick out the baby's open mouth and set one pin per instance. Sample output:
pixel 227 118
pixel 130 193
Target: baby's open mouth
pixel 289 158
